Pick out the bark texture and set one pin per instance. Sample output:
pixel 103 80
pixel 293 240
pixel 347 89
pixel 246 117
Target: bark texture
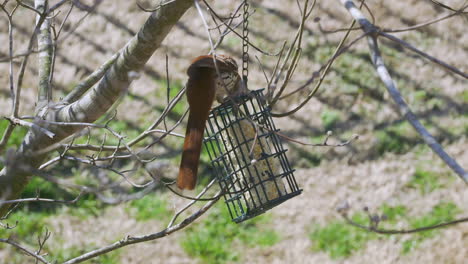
pixel 23 163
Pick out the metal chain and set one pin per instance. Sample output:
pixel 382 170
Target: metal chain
pixel 245 43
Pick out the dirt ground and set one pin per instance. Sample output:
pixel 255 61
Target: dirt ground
pixel 358 174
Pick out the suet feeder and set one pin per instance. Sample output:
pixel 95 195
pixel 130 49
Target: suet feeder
pixel 247 157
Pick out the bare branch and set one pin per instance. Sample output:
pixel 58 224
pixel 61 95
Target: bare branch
pixel 295 59
pixel 189 204
pixel 323 144
pixel 458 12
pixel 128 240
pixel 404 109
pixel 17 121
pixel 10 127
pixel 25 250
pixel 337 52
pixel 404 231
pixel 237 34
pixel 375 220
pixel 425 55
pixel 38 199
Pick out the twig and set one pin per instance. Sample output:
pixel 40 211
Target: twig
pixel 17 121
pixel 425 55
pixel 295 58
pixel 458 12
pixel 239 35
pixel 323 144
pixel 322 76
pixel 25 250
pixel 37 11
pixel 42 240
pixel 38 199
pixel 10 127
pixel 227 30
pixel 189 204
pixel 128 240
pixel 374 221
pixel 54 45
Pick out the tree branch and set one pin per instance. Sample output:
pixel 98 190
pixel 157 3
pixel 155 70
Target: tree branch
pixel 25 250
pixel 404 109
pixel 128 240
pixel 94 103
pixel 44 44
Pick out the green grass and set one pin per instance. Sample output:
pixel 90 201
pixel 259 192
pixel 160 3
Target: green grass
pixel 425 181
pixel 176 86
pixel 217 239
pixel 16 137
pixel 150 207
pixel 329 118
pixel 443 212
pixel 87 206
pixel 30 224
pixel 464 96
pixel 339 239
pixel 396 139
pixel 393 213
pixel 305 157
pixel 125 129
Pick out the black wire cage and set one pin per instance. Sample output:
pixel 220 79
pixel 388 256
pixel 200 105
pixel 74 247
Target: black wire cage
pixel 247 157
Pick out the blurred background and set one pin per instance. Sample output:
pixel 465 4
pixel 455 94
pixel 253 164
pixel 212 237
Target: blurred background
pixel 388 169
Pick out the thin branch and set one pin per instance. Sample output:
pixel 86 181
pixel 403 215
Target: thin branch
pixel 32 125
pixel 323 144
pixel 25 250
pixel 197 5
pixel 37 11
pixel 10 127
pixel 128 240
pixel 9 212
pixel 189 204
pixel 374 221
pixel 227 30
pixel 442 5
pixel 295 58
pixel 322 76
pixel 316 74
pixel 55 42
pixel 42 240
pixel 425 55
pixel 458 12
pixel 237 34
pixel 6 136
pixel 404 109
pixel 38 199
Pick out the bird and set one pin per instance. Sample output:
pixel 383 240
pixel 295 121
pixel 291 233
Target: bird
pixel 207 81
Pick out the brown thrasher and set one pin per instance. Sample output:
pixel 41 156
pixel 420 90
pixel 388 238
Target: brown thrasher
pixel 203 86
